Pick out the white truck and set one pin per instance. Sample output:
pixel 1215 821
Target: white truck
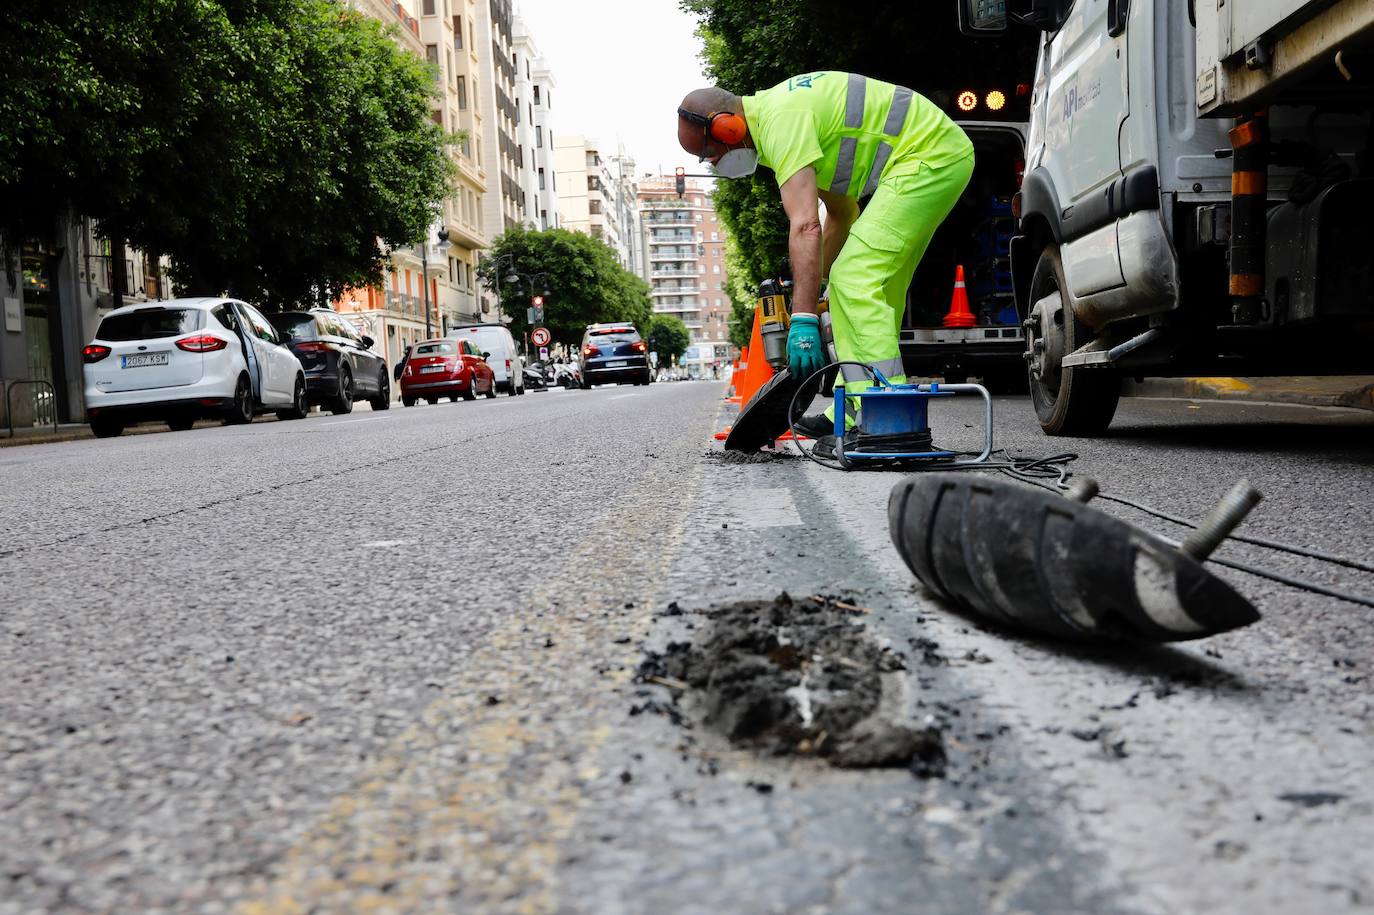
pixel 1198 196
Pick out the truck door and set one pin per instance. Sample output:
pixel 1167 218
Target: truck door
pixel 1088 103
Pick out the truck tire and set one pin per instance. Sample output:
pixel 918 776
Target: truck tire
pixel 1068 401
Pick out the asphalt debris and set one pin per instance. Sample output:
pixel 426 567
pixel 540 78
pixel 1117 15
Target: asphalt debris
pixel 1312 798
pixel 721 456
pixel 794 677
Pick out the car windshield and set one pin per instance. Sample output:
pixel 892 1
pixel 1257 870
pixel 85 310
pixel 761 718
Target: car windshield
pixel 616 335
pixel 434 349
pixel 295 326
pixel 151 324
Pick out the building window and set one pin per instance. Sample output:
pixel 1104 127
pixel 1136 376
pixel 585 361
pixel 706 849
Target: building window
pixel 715 236
pixel 530 111
pixel 462 93
pixel 438 117
pixel 541 179
pixel 458 32
pixel 536 95
pixel 715 268
pixel 594 207
pixel 429 7
pixel 539 135
pixel 548 98
pixel 432 55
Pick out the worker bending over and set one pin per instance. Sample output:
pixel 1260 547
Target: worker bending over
pixel 841 138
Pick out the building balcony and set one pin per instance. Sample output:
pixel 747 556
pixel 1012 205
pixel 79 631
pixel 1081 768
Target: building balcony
pixel 673 254
pixel 676 290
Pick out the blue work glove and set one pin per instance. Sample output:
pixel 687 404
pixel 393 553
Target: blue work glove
pixel 805 353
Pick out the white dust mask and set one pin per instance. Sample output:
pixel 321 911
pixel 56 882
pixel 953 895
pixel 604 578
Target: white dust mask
pixel 737 163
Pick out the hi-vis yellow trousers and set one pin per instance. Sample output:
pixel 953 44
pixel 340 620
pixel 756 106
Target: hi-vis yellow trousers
pixel 869 279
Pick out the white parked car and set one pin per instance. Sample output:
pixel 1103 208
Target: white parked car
pixel 502 355
pixel 185 359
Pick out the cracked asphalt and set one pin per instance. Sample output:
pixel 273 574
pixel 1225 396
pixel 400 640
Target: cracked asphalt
pixel 386 663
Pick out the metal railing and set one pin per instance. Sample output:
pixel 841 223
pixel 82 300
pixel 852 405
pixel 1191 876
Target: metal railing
pixel 44 411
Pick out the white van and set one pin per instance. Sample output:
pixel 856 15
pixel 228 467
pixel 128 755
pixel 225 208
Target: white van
pixel 502 355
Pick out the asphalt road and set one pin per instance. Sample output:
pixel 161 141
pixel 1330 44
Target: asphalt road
pixel 385 662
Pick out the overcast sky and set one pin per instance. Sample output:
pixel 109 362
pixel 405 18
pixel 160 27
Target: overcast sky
pixel 621 66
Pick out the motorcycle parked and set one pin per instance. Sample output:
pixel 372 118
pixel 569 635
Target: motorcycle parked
pixel 536 376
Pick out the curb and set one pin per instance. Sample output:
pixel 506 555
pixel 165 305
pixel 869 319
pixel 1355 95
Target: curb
pixel 1355 392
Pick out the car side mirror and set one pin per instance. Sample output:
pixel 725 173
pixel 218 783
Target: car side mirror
pixel 486 355
pixel 367 342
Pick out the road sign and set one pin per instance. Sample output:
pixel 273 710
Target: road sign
pixel 543 354
pixel 540 336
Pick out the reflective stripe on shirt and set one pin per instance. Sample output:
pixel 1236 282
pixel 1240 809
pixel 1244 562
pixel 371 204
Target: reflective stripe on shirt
pixel 856 94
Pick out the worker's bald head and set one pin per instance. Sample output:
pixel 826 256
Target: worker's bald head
pixel 705 102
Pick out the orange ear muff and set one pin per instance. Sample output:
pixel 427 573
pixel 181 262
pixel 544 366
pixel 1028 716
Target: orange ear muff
pixel 728 128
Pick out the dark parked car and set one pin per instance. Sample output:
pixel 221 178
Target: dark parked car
pixel 446 368
pixel 614 353
pixel 340 365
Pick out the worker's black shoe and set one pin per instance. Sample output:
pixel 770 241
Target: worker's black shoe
pixel 816 425
pixel 824 447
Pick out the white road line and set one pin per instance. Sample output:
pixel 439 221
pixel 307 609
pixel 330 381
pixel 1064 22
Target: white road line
pixel 344 422
pixel 623 396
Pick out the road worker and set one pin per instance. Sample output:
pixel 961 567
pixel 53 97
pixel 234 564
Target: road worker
pixel 841 139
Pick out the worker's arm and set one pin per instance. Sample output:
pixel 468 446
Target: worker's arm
pixel 799 200
pixel 840 214
pixel 804 352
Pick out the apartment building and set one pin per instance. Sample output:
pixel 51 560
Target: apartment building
pixel 503 205
pixel 440 273
pixel 534 85
pixel 684 262
pixel 54 289
pixel 598 195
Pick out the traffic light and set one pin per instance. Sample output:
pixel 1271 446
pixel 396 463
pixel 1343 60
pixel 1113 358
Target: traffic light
pixel 537 301
pixel 681 182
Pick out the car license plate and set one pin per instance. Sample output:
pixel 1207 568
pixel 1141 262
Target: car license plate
pixel 430 369
pixel 139 360
pixel 616 365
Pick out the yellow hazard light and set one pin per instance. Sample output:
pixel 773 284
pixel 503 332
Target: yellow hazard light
pixel 996 100
pixel 967 100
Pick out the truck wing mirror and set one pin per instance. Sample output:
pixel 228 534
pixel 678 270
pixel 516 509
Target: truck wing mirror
pixel 982 18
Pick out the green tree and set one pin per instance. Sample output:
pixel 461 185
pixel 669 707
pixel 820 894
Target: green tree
pixel 748 45
pixel 668 337
pixel 267 146
pixel 586 283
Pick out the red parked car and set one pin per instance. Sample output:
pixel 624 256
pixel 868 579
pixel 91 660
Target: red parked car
pixel 446 368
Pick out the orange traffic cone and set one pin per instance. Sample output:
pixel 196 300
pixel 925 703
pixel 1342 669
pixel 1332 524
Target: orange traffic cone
pixel 959 314
pixel 736 377
pixel 758 371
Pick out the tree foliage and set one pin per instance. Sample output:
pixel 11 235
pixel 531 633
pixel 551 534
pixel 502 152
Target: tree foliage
pixel 586 284
pixel 668 337
pixel 265 145
pixel 749 45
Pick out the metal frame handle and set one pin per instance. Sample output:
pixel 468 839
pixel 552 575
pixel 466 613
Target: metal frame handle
pixel 9 407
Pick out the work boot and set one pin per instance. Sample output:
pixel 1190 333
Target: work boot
pixel 825 447
pixel 816 425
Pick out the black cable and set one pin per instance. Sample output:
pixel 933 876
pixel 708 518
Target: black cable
pixel 1253 541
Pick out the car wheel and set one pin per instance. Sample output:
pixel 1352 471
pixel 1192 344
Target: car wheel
pixel 491 389
pixel 181 423
pixel 1073 400
pixel 300 405
pixel 343 403
pixel 408 401
pixel 453 398
pixel 471 392
pixel 106 428
pixel 383 401
pixel 241 410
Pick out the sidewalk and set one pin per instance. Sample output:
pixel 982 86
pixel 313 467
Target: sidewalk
pixel 1355 391
pixel 71 432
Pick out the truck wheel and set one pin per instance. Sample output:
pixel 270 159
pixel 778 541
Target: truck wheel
pixel 1068 401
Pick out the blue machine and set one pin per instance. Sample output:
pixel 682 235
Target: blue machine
pixel 893 423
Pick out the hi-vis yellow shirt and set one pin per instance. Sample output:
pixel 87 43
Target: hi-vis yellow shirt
pixel 852 129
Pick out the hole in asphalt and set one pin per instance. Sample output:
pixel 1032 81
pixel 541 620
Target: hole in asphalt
pixel 793 677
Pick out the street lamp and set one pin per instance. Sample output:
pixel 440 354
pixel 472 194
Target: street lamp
pixel 424 272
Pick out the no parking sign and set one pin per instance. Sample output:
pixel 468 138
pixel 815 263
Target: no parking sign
pixel 540 336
